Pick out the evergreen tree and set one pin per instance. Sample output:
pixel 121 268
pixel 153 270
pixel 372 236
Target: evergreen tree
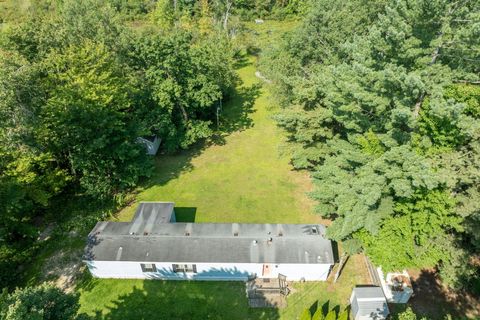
pixel 384 114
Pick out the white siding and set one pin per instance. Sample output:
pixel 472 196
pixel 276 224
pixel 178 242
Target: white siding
pixel 208 271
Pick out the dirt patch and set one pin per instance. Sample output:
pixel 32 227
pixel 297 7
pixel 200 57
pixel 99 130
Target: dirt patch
pixel 435 300
pixel 63 268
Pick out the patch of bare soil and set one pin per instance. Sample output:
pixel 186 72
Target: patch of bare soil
pixel 432 298
pixel 63 268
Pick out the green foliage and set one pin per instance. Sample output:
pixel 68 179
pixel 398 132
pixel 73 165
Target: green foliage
pixel 407 315
pixel 44 302
pixel 381 110
pixel 467 94
pixel 78 87
pixel 185 80
pixel 415 231
pixel 163 15
pixel 87 121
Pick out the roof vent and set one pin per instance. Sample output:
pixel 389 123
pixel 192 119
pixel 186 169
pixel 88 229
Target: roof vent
pixel 254 242
pixel 279 230
pixel 188 229
pixel 314 230
pixel 269 240
pixel 235 229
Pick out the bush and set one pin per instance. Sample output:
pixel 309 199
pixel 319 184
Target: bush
pixel 44 302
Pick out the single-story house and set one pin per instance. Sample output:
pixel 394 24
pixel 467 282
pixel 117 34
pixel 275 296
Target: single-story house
pixel 368 303
pixel 154 246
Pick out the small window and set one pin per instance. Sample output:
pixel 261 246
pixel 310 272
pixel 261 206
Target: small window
pixel 148 267
pixel 184 268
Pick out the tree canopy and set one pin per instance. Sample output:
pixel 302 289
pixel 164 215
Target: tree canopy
pixel 78 86
pixel 383 111
pixel 43 302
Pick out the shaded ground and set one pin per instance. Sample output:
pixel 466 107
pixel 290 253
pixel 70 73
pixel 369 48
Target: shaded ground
pixel 149 299
pixel 433 299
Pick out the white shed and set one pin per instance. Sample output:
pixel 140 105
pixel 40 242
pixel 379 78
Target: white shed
pixel 151 144
pixel 368 303
pixel 154 246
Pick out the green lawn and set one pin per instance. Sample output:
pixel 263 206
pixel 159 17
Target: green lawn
pixel 238 176
pixel 153 299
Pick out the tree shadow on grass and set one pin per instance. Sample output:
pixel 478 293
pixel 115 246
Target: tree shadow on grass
pixel 185 300
pixel 241 61
pixel 236 113
pixel 325 308
pixel 432 299
pixel 234 117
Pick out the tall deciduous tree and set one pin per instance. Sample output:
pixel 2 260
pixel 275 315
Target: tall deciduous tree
pixel 87 119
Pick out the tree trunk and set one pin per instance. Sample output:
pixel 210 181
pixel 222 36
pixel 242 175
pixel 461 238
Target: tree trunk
pixel 227 14
pixel 184 112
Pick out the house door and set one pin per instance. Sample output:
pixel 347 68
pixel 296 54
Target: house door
pixel 267 271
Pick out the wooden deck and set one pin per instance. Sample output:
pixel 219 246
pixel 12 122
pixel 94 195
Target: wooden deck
pixel 266 293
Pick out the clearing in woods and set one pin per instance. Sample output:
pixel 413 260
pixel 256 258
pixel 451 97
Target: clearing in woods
pixel 239 176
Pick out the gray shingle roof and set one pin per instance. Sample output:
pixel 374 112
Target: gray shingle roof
pixel 149 237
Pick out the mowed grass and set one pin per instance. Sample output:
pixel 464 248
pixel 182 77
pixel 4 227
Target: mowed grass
pixel 154 299
pixel 238 176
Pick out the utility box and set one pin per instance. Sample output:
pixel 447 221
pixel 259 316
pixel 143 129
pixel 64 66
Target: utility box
pixel 368 303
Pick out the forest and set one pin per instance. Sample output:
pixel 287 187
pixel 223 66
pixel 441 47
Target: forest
pixel 383 108
pixel 379 102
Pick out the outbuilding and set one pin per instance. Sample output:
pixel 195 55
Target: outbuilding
pixel 154 246
pixel 368 303
pixel 151 144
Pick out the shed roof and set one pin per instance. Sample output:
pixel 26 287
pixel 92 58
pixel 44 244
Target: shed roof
pixel 369 293
pixel 369 303
pixel 149 237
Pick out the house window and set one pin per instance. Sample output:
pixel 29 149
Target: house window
pixel 184 268
pixel 148 267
